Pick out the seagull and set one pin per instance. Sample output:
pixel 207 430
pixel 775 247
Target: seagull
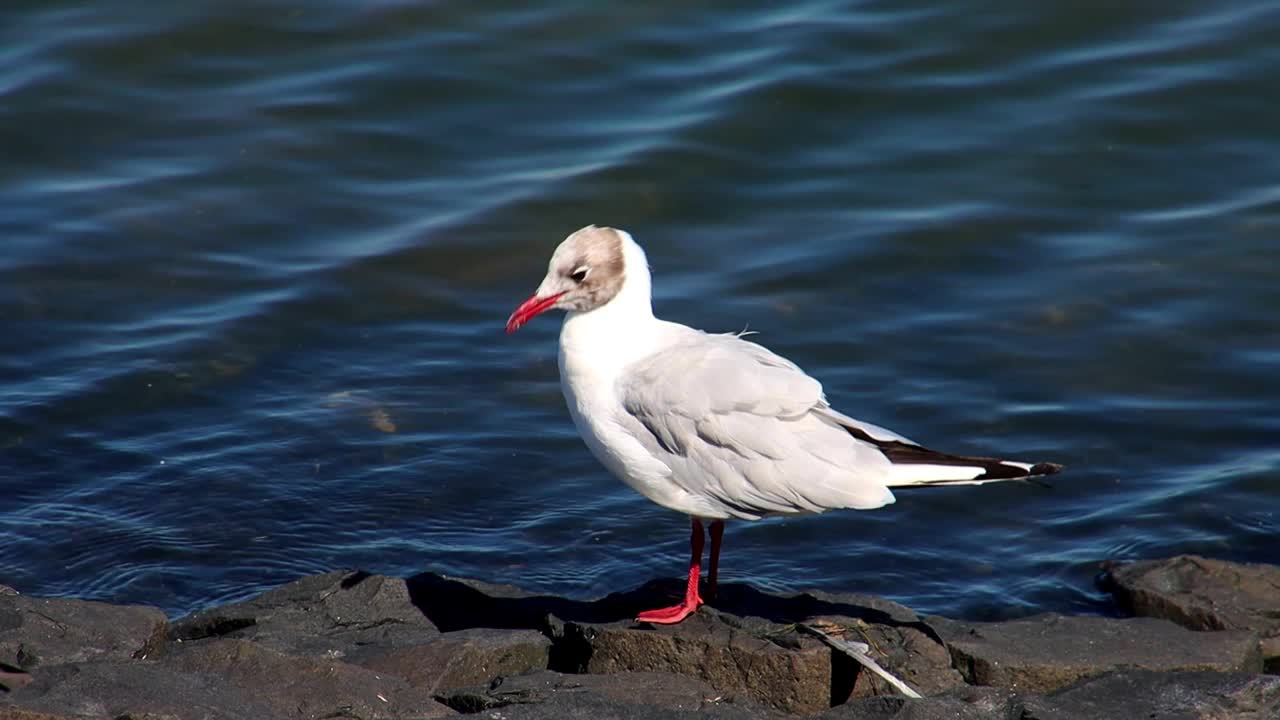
pixel 713 425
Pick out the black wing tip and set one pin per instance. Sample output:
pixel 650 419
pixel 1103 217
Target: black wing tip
pixel 1039 470
pixel 899 452
pixel 1001 470
pixel 1045 468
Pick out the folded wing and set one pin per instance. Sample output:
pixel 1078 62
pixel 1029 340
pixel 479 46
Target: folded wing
pixel 744 428
pixel 753 435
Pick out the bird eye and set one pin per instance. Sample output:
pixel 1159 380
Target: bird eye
pixel 580 274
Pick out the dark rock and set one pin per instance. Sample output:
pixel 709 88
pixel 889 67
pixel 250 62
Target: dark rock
pixel 590 706
pixel 662 691
pixel 16 713
pixel 728 653
pixel 370 621
pixel 460 658
pixel 907 648
pixel 900 641
pixel 1204 594
pixel 460 603
pixel 51 631
pixel 351 644
pixel 325 615
pixel 633 696
pixel 756 650
pixel 1171 696
pixel 221 678
pixel 305 686
pixel 961 703
pixel 12 678
pixel 767 662
pixel 641 696
pixel 1049 652
pixel 114 689
pixel 600 637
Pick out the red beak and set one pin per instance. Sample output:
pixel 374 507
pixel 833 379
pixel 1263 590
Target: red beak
pixel 528 309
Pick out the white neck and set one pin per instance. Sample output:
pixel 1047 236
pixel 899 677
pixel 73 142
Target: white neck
pixel 604 340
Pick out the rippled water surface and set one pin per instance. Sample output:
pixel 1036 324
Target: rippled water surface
pixel 257 257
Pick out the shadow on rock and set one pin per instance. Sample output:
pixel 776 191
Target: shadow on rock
pixel 745 642
pixel 459 604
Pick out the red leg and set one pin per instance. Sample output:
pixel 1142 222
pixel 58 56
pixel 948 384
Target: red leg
pixel 717 532
pixel 676 613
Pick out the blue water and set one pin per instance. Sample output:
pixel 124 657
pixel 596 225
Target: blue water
pixel 257 258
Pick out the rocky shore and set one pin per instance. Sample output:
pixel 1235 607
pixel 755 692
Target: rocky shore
pixel 1203 641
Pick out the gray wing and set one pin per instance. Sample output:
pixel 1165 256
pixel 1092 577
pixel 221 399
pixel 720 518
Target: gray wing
pixel 748 431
